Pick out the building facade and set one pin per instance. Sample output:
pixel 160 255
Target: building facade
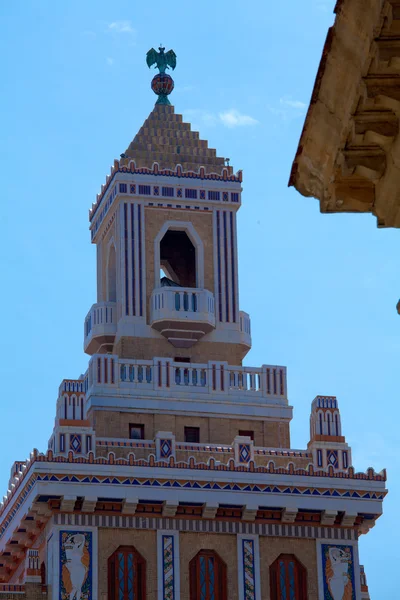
pixel 169 473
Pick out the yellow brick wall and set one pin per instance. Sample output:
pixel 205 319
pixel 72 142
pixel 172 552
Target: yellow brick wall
pixel 190 544
pixel 201 352
pixel 213 430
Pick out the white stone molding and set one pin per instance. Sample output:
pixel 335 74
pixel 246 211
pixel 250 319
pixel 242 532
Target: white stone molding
pixel 196 240
pixel 328 517
pixel 170 508
pixel 210 510
pixel 249 570
pixel 129 506
pixel 68 503
pixel 89 504
pixel 289 515
pixel 168 576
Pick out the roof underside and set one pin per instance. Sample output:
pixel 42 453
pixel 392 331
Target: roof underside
pixel 349 151
pixel 164 138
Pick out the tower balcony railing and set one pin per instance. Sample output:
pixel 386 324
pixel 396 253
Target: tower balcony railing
pixel 182 315
pixel 245 328
pixel 100 326
pixel 162 376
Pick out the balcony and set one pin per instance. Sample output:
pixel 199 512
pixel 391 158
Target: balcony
pixel 100 327
pixel 245 328
pixel 214 381
pixel 182 315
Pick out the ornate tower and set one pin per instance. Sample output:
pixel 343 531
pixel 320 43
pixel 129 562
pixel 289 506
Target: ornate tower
pixel 169 473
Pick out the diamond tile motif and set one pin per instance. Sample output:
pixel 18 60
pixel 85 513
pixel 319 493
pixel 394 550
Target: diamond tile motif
pixel 332 458
pixel 165 448
pixel 75 442
pixel 244 453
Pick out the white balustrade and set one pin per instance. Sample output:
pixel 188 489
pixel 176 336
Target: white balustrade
pixel 245 328
pixel 162 375
pixel 182 304
pixel 100 322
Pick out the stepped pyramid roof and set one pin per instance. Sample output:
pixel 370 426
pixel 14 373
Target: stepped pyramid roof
pixel 164 138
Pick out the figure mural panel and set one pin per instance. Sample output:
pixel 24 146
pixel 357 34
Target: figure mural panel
pixel 75 565
pixel 338 572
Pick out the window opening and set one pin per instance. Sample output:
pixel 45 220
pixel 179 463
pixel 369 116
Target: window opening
pixel 288 579
pixel 136 432
pixel 178 259
pixel 247 432
pixel 207 577
pixel 126 575
pixel 192 435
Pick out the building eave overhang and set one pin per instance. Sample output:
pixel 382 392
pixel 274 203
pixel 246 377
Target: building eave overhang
pixel 120 477
pixel 348 152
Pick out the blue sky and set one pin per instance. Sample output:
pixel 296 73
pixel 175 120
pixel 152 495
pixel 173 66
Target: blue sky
pixel 321 290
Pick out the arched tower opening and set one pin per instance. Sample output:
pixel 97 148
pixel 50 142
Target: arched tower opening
pixel 178 258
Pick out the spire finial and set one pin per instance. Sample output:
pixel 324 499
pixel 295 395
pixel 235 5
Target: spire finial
pixel 162 84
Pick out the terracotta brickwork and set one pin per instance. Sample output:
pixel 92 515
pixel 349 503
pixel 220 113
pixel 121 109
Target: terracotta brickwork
pixel 213 430
pixel 165 138
pixel 145 542
pixel 305 552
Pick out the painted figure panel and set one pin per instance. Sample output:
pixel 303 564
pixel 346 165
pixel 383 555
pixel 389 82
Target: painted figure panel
pixel 338 572
pixel 76 565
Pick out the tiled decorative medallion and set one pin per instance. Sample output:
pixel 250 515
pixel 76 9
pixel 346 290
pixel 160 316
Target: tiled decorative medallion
pixel 165 448
pixel 249 592
pixel 332 458
pixel 202 194
pixel 338 572
pixel 75 442
pixel 133 188
pixel 168 567
pixel 76 565
pixel 244 453
pixel 179 193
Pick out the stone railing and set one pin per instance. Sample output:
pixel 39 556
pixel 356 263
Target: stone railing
pixel 101 321
pixel 213 378
pixel 245 328
pixel 182 315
